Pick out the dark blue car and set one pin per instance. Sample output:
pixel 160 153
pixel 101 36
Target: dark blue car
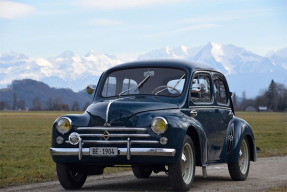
pixel 155 116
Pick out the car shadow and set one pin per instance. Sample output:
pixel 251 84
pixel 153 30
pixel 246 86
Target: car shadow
pixel 154 183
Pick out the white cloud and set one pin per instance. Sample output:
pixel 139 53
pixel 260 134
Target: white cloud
pixel 123 4
pixel 106 22
pixel 11 10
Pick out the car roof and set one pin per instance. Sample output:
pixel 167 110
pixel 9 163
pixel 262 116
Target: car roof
pixel 187 65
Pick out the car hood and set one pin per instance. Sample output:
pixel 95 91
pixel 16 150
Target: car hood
pixel 120 110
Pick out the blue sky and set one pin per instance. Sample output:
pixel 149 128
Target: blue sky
pixel 131 27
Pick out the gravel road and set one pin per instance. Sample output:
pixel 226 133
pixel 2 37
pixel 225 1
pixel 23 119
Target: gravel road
pixel 264 174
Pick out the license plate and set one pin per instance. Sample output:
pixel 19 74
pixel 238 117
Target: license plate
pixel 103 151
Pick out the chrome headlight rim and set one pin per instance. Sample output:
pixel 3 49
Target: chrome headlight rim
pixel 66 119
pixel 156 119
pixel 74 138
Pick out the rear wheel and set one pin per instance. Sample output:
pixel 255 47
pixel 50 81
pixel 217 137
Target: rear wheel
pixel 71 176
pixel 239 170
pixel 142 172
pixel 181 173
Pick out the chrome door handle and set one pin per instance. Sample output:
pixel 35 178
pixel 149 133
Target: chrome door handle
pixel 193 113
pixel 230 114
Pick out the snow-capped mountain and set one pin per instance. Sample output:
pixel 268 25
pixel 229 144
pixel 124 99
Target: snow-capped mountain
pixel 181 52
pixel 244 70
pixel 279 57
pixel 66 70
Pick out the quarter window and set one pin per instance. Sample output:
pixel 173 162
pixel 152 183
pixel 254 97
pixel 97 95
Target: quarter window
pixel 110 87
pixel 220 91
pixel 200 90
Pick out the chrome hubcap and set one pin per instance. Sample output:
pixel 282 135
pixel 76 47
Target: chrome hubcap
pixel 187 163
pixel 243 157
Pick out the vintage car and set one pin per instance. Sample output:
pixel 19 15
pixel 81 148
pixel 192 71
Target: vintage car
pixel 154 116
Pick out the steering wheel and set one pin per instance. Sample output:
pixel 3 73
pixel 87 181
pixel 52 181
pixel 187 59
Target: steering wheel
pixel 164 86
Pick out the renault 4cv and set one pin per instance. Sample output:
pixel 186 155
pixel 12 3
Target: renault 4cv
pixel 154 116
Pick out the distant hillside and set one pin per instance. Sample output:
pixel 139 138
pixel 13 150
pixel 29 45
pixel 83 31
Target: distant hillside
pixel 30 93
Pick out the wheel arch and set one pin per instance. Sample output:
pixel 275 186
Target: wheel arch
pixel 199 141
pixel 241 129
pixel 253 153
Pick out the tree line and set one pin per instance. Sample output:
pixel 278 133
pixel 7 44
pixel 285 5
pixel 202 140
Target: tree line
pixel 37 105
pixel 274 98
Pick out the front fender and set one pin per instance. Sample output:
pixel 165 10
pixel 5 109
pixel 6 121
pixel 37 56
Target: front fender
pixel 185 124
pixel 77 120
pixel 237 130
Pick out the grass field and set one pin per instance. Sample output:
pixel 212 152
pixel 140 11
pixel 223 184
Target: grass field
pixel 25 139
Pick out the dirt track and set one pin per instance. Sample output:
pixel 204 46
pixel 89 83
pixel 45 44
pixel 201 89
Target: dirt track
pixel 264 174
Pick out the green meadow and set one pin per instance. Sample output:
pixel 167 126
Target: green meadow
pixel 25 139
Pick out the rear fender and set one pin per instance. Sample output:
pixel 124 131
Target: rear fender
pixel 237 130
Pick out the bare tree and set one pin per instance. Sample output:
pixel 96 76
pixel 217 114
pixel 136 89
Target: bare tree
pixel 75 106
pixel 14 101
pixel 37 104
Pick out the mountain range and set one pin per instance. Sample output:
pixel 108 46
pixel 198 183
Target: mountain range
pixel 27 91
pixel 245 71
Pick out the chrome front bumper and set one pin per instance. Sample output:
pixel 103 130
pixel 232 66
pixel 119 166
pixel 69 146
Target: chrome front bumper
pixel 163 152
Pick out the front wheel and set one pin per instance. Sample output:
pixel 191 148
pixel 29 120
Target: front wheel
pixel 71 176
pixel 181 173
pixel 239 170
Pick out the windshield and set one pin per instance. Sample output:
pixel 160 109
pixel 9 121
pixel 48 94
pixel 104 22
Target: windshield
pixel 144 81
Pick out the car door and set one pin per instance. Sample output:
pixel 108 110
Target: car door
pixel 202 109
pixel 225 113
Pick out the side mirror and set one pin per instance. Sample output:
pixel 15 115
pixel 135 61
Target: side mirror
pixel 90 89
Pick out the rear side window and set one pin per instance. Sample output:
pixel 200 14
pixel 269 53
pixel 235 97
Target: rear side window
pixel 220 91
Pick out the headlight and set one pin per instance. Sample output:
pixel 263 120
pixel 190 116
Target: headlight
pixel 64 125
pixel 159 125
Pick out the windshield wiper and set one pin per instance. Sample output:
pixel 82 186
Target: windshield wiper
pixel 172 88
pixel 137 86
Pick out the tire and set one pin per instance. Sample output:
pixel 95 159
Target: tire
pixel 142 172
pixel 181 173
pixel 71 176
pixel 239 170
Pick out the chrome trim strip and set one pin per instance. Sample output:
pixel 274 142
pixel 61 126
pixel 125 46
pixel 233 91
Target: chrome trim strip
pixel 107 111
pixel 115 135
pixel 166 152
pixel 111 129
pixel 80 149
pixel 128 149
pixel 69 151
pixel 119 142
pixel 210 107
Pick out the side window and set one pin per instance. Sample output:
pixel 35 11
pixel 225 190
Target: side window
pixel 200 90
pixel 110 87
pixel 127 84
pixel 220 91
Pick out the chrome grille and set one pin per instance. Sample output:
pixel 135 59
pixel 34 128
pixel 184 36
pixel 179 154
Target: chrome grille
pixel 115 135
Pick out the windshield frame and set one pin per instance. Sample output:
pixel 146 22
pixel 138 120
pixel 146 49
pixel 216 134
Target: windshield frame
pixel 107 74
